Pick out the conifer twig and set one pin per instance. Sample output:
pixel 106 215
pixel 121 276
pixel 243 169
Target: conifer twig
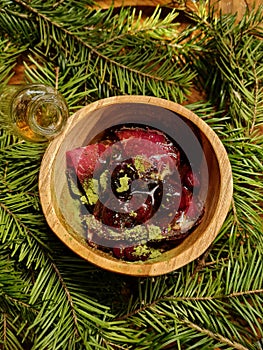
pixel 215 336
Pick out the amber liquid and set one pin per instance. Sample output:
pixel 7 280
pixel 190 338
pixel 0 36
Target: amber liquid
pixel 34 112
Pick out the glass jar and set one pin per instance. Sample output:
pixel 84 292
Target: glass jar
pixel 35 112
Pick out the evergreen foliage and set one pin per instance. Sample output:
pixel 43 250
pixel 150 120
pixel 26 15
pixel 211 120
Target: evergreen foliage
pixel 52 299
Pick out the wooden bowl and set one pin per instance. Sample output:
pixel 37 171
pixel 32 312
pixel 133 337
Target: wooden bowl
pixel 216 182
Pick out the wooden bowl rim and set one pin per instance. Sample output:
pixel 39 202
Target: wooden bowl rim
pixel 151 267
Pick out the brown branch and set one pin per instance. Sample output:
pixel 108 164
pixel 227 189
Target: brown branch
pixel 231 295
pixel 247 292
pixel 68 295
pixel 201 262
pixel 194 326
pixel 255 103
pixel 235 212
pixel 22 303
pixel 4 327
pixel 247 5
pixel 215 336
pixel 176 299
pixel 57 76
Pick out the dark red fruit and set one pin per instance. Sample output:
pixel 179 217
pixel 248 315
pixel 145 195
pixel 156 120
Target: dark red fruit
pixel 108 216
pixel 73 156
pixel 153 145
pixel 119 252
pixel 145 212
pixel 141 181
pixel 132 255
pixel 193 211
pixel 85 159
pixel 189 178
pixel 172 152
pixel 137 133
pixel 186 199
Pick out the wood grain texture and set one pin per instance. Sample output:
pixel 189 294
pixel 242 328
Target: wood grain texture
pixel 58 206
pixel 238 7
pixel 226 6
pixel 119 3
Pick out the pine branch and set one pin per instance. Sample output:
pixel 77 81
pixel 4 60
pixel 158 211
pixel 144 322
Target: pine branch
pixel 190 298
pixel 158 72
pixel 219 337
pixel 50 298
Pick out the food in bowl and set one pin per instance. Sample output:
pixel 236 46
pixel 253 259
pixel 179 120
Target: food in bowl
pixel 137 191
pixel 201 151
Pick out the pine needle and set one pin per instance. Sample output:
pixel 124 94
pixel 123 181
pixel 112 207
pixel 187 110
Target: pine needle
pixel 52 299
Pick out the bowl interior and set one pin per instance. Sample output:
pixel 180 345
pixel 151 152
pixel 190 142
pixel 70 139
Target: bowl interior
pixel 197 140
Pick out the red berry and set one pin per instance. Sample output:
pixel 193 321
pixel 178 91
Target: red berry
pixel 119 252
pixel 129 253
pixel 132 255
pixel 193 211
pixel 145 212
pixel 137 133
pixel 84 159
pixel 191 179
pixel 186 199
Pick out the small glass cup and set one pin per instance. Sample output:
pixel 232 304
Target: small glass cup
pixel 35 112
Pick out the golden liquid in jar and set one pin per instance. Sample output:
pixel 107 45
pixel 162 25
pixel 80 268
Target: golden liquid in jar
pixel 35 112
